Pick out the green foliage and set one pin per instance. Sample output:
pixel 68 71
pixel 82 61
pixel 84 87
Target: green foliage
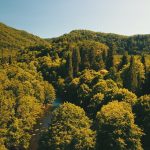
pixel 70 129
pixel 100 87
pixel 13 39
pixel 51 69
pixel 124 60
pixel 75 64
pixel 146 88
pixel 133 81
pixel 69 66
pixel 76 60
pixel 133 44
pixel 79 89
pixel 116 128
pixel 2 146
pixel 142 111
pixel 110 58
pixel 125 96
pixel 133 75
pixel 91 54
pixel 22 94
pixel 95 104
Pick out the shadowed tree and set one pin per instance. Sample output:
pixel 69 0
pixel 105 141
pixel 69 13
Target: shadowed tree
pixel 69 66
pixel 142 111
pixel 76 60
pixel 133 82
pixel 110 57
pixel 124 60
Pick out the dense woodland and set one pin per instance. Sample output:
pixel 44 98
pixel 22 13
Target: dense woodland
pixel 103 80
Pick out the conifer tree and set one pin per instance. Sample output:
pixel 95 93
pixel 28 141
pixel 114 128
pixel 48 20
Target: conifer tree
pixel 100 61
pixel 2 60
pixel 92 56
pixel 146 87
pixel 124 60
pixel 85 62
pixel 133 82
pixel 104 56
pixel 69 65
pixel 110 58
pixel 112 73
pixel 76 60
pixel 143 60
pixel 142 111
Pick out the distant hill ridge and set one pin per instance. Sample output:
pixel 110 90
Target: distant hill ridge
pixel 133 44
pixel 11 38
pixel 14 39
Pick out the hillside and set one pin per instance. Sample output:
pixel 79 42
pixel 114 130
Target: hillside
pixel 103 96
pixel 133 44
pixel 13 39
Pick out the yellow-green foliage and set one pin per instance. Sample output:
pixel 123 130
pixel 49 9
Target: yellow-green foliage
pixel 148 60
pixel 125 95
pixel 12 39
pixel 116 128
pixel 70 128
pixel 88 75
pixel 142 111
pixel 137 57
pixel 7 52
pixel 105 86
pixel 133 44
pixel 22 94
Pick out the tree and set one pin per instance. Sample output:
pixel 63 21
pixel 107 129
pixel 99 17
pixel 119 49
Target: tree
pixel 27 111
pixel 125 96
pixel 92 56
pixel 69 66
pixel 110 57
pixel 124 60
pixel 100 87
pixel 146 88
pixel 133 76
pixel 76 60
pixel 133 80
pixel 116 128
pixel 49 92
pixel 143 60
pixel 84 95
pixel 142 111
pixel 85 62
pixel 2 146
pixel 112 74
pixel 99 64
pixel 95 104
pixel 70 129
pixel 90 52
pixel 104 55
pixel 22 94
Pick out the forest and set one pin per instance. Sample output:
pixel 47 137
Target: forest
pixel 102 79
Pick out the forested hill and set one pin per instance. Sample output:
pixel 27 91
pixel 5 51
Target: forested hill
pixel 14 39
pixel 105 96
pixel 133 44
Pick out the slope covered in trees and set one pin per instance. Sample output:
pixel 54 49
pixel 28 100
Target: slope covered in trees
pixel 133 44
pixel 22 96
pixel 12 39
pixel 106 96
